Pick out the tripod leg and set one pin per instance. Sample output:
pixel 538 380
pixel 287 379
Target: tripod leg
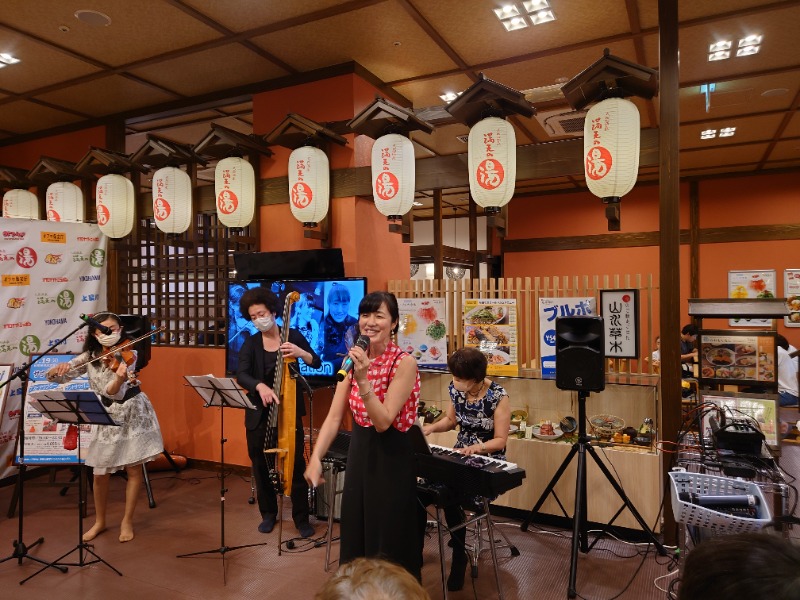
pixel 549 489
pixel 621 493
pixel 578 519
pixel 150 499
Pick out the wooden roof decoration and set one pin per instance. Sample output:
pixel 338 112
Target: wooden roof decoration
pixel 486 98
pixel 382 117
pixel 221 142
pixel 159 152
pixel 49 170
pixel 610 76
pixel 102 161
pixel 296 130
pixel 12 177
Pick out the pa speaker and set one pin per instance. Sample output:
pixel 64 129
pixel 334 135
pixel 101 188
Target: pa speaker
pixel 580 354
pixel 325 263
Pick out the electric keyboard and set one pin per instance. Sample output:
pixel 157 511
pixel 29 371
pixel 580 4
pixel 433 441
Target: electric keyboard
pixel 339 448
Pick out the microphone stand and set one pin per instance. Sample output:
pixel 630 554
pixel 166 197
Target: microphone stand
pixel 21 550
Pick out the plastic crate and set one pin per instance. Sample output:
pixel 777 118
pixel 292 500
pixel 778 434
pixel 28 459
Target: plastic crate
pixel 702 516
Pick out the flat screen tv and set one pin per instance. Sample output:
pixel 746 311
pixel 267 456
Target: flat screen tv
pixel 325 314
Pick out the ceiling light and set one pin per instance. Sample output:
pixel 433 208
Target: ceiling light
pixel 719 55
pixel 543 16
pixel 727 132
pixel 417 203
pixel 750 40
pixel 708 134
pixel 449 96
pixel 721 45
pixel 514 24
pixel 535 5
pixel 774 92
pixel 7 59
pixel 507 11
pixel 748 50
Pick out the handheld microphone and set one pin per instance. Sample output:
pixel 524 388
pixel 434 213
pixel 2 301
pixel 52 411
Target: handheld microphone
pixel 96 324
pixel 734 500
pixel 347 366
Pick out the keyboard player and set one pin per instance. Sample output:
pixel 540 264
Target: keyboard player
pixel 482 411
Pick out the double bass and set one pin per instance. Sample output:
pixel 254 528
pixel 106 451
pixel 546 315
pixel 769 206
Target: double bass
pixel 282 419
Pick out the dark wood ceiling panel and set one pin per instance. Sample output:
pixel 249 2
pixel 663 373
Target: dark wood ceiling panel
pixel 41 65
pixel 369 36
pixel 210 70
pixel 787 150
pixel 106 96
pixel 22 116
pixel 139 28
pixel 748 129
pixel 793 128
pixel 735 155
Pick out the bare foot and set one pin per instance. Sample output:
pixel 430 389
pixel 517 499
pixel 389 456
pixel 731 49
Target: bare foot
pixel 125 532
pixel 96 530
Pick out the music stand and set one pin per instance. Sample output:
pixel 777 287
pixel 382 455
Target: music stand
pixel 579 519
pixel 222 392
pixel 78 408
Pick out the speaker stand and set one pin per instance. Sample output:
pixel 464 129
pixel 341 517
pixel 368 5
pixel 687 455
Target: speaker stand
pixel 579 520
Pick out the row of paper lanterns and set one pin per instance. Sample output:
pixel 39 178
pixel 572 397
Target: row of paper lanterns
pixel 611 162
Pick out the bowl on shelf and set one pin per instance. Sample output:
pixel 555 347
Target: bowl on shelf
pixel 606 425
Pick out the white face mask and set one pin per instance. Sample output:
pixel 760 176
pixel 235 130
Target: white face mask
pixel 264 324
pixel 109 340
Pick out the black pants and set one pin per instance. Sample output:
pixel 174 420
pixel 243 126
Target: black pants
pixel 265 492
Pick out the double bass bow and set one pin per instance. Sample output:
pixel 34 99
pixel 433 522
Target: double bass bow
pixel 282 419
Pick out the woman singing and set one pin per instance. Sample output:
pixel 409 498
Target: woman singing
pixel 256 374
pixel 138 438
pixel 482 410
pixel 379 506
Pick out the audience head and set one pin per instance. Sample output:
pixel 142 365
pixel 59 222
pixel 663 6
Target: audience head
pixel 690 330
pixel 372 579
pixel 756 566
pixel 782 342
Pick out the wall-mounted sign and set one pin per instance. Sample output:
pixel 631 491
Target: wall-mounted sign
pixel 751 284
pixel 491 326
pixel 620 312
pixel 422 331
pixel 791 289
pixel 549 310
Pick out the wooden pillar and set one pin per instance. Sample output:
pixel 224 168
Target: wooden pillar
pixel 438 243
pixel 669 256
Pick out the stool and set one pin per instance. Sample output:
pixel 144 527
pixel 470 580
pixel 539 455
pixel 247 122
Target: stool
pixel 478 522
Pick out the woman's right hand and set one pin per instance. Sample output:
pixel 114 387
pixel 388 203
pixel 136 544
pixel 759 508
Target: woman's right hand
pixel 267 395
pixel 313 472
pixel 427 429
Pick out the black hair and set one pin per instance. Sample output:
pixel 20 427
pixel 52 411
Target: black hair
pixel 372 302
pixel 259 295
pixel 91 344
pixel 690 329
pixel 468 363
pixel 782 342
pixel 756 566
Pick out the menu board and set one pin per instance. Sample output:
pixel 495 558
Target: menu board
pixel 422 331
pixel 491 326
pixel 751 284
pixel 791 289
pixel 738 357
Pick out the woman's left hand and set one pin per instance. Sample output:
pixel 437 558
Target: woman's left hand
pixel 470 450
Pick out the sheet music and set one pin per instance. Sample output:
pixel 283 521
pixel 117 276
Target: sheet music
pixel 80 407
pixel 219 391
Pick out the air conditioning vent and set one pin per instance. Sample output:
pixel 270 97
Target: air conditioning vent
pixel 559 123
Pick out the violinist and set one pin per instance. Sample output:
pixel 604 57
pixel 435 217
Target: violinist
pixel 110 365
pixel 256 373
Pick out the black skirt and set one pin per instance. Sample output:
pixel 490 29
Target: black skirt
pixel 379 502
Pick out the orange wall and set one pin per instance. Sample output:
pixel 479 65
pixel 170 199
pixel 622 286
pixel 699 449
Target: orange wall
pixel 68 146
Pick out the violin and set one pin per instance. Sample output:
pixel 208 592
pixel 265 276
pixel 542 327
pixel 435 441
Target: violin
pixel 118 354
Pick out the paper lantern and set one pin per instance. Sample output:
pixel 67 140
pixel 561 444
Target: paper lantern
pixel 611 148
pixel 492 163
pixel 309 185
pixel 115 200
pixel 235 190
pixel 20 204
pixel 393 170
pixel 64 202
pixel 172 200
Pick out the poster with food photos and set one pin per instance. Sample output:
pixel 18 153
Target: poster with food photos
pixel 791 289
pixel 491 326
pixel 742 357
pixel 422 331
pixel 751 284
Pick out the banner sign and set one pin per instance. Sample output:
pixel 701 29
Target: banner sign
pixel 549 310
pixel 620 309
pixel 50 273
pixel 751 284
pixel 491 326
pixel 791 290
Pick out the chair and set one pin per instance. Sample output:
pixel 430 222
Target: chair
pixel 482 530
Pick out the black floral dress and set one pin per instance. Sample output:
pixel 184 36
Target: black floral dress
pixel 476 419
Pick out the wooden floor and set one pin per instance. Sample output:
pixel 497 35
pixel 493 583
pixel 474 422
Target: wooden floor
pixel 187 519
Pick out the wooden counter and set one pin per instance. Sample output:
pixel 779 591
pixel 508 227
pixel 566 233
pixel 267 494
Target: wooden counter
pixel 639 471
